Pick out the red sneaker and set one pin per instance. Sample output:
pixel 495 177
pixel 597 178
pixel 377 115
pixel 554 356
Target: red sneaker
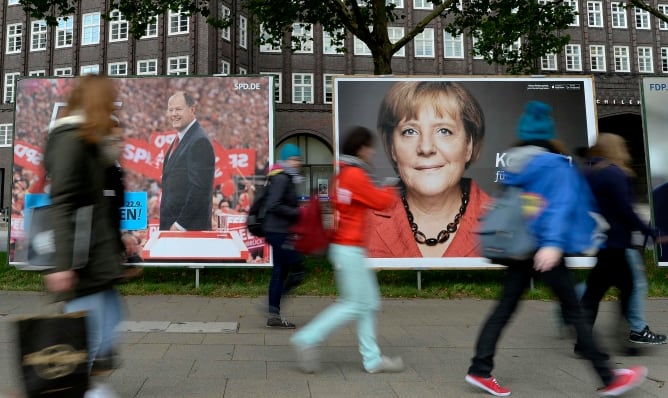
pixel 625 380
pixel 488 384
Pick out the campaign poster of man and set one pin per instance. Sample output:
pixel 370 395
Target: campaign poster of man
pixel 471 122
pixel 194 149
pixel 654 96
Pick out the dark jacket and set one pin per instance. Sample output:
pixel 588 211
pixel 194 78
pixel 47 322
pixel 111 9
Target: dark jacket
pixel 282 205
pixel 187 182
pixel 79 177
pixel 612 189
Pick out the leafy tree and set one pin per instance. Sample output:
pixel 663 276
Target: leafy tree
pixel 496 24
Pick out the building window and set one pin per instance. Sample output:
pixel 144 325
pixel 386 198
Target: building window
pixel 89 70
pixel 62 72
pixel 178 22
pixel 663 9
pixel 277 85
pixel 549 62
pixel 118 69
pixel 645 60
pixel 304 34
pixel 453 46
pixel 328 87
pixel 302 88
pixel 573 57
pixel 14 38
pixel 361 48
pixel 395 33
pixel 474 41
pixel 10 87
pixel 618 13
pixel 621 59
pixel 37 73
pixel 151 29
pixel 424 43
pixel 597 58
pixel 118 26
pixel 397 3
pixel 177 65
pixel 594 14
pixel 576 9
pixel 243 71
pixel 38 36
pixel 6 131
pixel 422 5
pixel 642 18
pixel 664 59
pixel 90 29
pixel 147 67
pixel 64 32
pixel 243 32
pixel 224 68
pixel 268 47
pixel 327 46
pixel 12 2
pixel 225 13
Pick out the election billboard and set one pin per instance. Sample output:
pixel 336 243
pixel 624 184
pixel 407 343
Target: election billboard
pixel 449 175
pixel 164 171
pixel 654 91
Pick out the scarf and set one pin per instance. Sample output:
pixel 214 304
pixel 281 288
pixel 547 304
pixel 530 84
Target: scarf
pixel 357 162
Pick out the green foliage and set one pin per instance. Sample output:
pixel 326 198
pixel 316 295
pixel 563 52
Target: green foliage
pixel 139 13
pixel 498 25
pixel 236 282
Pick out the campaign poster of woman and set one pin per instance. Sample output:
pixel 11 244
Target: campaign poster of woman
pixel 445 139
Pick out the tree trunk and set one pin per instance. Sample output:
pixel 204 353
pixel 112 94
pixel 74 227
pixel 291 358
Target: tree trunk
pixel 382 62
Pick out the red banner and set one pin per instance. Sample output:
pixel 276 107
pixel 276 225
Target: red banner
pixel 139 156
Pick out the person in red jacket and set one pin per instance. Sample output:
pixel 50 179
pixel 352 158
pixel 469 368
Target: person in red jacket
pixel 355 192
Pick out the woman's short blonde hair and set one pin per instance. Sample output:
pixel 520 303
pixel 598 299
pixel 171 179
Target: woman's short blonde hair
pixel 405 99
pixel 93 96
pixel 612 147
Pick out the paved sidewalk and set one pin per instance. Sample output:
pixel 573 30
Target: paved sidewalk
pixel 435 338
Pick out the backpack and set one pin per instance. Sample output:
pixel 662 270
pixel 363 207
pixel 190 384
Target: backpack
pixel 503 231
pixel 257 211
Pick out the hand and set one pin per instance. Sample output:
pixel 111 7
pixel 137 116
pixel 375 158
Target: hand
pixel 661 239
pixel 546 258
pixel 62 281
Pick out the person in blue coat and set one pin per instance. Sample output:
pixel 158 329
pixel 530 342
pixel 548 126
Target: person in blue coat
pixel 552 186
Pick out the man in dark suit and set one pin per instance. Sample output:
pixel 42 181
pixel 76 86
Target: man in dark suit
pixel 187 173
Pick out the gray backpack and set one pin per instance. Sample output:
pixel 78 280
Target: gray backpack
pixel 503 230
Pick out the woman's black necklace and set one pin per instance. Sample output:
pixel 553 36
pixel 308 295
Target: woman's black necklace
pixel 451 228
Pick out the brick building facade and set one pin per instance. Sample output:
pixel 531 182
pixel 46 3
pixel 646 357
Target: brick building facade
pixel 617 46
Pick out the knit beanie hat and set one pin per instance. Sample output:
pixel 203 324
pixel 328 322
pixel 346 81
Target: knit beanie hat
pixel 290 151
pixel 536 123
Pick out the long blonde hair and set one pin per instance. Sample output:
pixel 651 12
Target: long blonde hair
pixel 93 96
pixel 613 149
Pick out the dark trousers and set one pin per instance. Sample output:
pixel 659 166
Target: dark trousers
pixel 516 282
pixel 611 269
pixel 287 271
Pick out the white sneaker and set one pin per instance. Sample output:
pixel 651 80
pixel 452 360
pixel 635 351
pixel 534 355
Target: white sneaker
pixel 388 365
pixel 101 390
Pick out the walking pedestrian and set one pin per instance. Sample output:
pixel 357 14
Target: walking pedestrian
pixel 355 192
pixel 549 178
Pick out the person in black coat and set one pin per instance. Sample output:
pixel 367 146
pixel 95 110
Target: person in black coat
pixel 187 172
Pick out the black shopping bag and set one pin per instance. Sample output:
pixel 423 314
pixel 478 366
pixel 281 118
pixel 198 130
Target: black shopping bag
pixel 53 355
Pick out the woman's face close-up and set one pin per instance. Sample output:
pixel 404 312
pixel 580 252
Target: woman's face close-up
pixel 432 149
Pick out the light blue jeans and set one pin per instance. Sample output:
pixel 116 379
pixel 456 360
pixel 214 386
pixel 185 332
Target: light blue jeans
pixel 636 311
pixel 103 313
pixel 359 300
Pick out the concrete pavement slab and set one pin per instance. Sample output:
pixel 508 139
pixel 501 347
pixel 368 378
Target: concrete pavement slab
pixel 434 337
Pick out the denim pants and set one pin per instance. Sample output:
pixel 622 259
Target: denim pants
pixel 287 271
pixel 516 282
pixel 635 313
pixel 359 300
pixel 104 311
